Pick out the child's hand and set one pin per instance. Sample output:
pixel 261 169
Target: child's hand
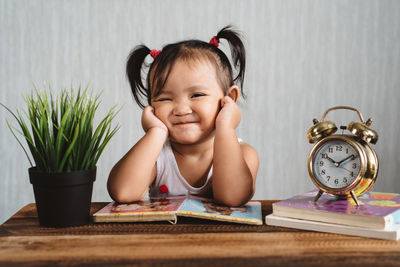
pixel 149 120
pixel 229 115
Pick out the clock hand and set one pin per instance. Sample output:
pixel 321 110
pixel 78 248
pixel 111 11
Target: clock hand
pixel 345 169
pixel 343 160
pixel 331 160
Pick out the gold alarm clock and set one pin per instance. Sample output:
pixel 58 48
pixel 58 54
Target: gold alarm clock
pixel 342 165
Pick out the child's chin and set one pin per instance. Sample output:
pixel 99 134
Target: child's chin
pixel 185 140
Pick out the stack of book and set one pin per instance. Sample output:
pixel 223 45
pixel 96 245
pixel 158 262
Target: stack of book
pixel 377 216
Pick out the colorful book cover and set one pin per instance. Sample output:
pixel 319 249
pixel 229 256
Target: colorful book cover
pixel 375 210
pixel 152 209
pixel 158 209
pixel 208 209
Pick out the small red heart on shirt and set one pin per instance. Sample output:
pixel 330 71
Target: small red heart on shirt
pixel 163 189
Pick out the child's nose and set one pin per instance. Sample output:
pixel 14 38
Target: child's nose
pixel 182 108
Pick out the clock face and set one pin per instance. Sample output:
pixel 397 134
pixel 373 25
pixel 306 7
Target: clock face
pixel 336 164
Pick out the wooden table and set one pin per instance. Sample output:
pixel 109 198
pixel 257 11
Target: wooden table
pixel 191 242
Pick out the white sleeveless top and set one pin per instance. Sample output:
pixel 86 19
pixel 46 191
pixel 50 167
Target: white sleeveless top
pixel 169 180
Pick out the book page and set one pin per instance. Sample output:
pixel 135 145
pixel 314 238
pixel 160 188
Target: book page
pixel 153 209
pixel 208 209
pixel 151 205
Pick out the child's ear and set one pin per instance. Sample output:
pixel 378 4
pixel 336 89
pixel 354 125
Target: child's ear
pixel 234 93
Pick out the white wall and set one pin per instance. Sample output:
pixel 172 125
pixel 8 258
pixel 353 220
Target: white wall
pixel 303 57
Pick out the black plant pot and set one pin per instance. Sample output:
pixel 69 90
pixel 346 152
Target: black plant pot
pixel 63 199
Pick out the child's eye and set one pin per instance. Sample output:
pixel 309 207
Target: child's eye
pixel 197 95
pixel 163 99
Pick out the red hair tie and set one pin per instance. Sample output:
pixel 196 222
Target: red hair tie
pixel 154 53
pixel 214 41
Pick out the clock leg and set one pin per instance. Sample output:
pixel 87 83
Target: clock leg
pixel 353 196
pixel 318 195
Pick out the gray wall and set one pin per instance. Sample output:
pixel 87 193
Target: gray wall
pixel 303 57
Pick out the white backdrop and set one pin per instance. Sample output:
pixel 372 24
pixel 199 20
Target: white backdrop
pixel 302 58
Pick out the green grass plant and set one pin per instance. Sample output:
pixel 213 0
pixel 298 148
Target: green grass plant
pixel 59 130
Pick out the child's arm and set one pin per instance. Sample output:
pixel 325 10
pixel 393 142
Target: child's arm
pixel 235 164
pixel 130 178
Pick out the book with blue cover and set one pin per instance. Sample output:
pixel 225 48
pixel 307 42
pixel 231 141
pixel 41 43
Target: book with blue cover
pixel 375 211
pixel 169 208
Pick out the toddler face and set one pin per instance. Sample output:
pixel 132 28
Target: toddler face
pixel 189 102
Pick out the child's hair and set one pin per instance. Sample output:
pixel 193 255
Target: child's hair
pixel 162 65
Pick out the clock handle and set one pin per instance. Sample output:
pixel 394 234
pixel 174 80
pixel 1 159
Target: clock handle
pixel 343 107
pixel 362 130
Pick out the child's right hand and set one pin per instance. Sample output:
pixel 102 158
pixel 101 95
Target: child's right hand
pixel 149 120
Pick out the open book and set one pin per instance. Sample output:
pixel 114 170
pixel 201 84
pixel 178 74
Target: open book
pixel 169 208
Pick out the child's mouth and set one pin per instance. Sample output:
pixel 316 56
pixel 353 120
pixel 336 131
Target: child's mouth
pixel 183 122
pixel 186 123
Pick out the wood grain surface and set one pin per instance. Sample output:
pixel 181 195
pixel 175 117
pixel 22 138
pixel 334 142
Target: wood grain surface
pixel 191 242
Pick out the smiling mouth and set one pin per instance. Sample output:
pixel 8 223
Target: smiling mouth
pixel 184 123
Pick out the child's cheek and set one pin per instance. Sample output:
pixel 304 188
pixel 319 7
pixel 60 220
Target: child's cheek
pixel 157 112
pixel 161 114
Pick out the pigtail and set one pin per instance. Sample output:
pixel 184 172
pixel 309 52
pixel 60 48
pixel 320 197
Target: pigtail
pixel 134 72
pixel 237 51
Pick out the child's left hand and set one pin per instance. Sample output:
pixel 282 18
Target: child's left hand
pixel 229 115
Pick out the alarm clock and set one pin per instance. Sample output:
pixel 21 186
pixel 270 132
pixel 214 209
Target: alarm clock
pixel 342 165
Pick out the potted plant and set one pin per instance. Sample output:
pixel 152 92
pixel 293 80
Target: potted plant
pixel 65 148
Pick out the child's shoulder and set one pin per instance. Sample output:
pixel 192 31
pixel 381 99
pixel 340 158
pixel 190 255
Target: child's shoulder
pixel 251 157
pixel 246 148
